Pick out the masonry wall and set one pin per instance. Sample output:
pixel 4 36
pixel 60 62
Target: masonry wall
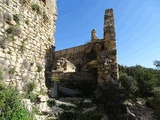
pixel 100 54
pixel 70 51
pixel 27 28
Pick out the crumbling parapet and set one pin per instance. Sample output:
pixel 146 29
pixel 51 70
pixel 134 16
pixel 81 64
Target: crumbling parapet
pixel 93 35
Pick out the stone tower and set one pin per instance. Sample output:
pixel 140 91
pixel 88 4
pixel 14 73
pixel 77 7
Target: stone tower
pixel 93 35
pixel 27 28
pixel 107 57
pixel 110 42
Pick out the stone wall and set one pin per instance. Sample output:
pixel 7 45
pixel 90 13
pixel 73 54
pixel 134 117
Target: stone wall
pixel 71 51
pixel 99 53
pixel 27 28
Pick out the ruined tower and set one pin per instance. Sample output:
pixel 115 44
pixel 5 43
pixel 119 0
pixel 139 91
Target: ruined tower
pixel 93 35
pixel 110 42
pixel 107 68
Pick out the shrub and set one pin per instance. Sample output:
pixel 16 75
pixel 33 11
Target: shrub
pixel 154 102
pixel 51 102
pixel 129 84
pixel 30 87
pixel 68 116
pixel 9 30
pixel 31 96
pixel 11 71
pixel 11 106
pixel 0 74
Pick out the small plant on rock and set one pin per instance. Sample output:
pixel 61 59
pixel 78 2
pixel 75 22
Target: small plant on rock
pixel 45 17
pixel 55 79
pixel 16 19
pixel 36 8
pixel 39 66
pixel 9 30
pixel 51 102
pixel 11 71
pixel 26 22
pixel 22 46
pixel 30 87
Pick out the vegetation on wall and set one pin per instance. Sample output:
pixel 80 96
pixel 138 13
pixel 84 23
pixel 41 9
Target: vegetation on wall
pixel 36 8
pixel 26 22
pixel 16 18
pixel 22 46
pixel 11 107
pixel 12 31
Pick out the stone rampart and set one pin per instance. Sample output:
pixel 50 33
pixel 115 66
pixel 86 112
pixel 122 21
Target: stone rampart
pixel 70 51
pixel 27 28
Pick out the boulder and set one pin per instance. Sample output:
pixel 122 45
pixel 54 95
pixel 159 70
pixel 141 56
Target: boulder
pixel 63 91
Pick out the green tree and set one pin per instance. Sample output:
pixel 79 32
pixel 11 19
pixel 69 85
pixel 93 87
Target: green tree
pixel 157 63
pixel 129 84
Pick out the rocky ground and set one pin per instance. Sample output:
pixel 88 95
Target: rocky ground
pixel 139 109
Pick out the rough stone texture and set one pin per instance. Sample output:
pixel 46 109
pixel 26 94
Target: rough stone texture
pixel 26 34
pixel 27 28
pixel 98 57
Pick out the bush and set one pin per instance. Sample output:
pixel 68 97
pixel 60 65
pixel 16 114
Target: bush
pixel 51 102
pixel 68 116
pixel 31 96
pixel 129 84
pixel 11 106
pixel 30 87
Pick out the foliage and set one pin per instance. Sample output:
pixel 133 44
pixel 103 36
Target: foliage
pixel 11 71
pixel 78 115
pixel 33 97
pixel 68 116
pixel 22 46
pixel 45 17
pixel 51 102
pixel 55 79
pixel 39 66
pixel 26 22
pixel 11 107
pixel 16 19
pixel 146 79
pixel 154 102
pixel 36 8
pixel 12 31
pixel 39 69
pixel 30 87
pixel 157 63
pixel 9 30
pixel 128 83
pixel 0 74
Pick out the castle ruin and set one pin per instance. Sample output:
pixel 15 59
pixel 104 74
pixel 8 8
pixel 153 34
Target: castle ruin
pixel 95 62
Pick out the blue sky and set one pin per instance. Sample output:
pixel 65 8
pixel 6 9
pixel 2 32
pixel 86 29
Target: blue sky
pixel 137 24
